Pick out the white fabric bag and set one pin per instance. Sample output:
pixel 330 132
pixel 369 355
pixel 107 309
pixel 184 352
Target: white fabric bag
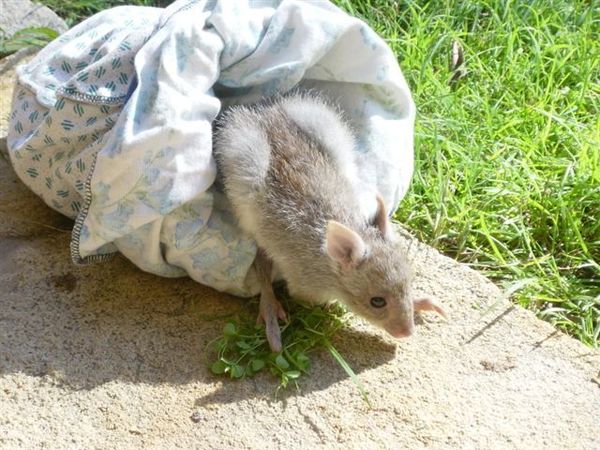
pixel 111 123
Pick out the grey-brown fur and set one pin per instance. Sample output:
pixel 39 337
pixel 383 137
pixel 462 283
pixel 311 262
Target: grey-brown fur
pixel 288 168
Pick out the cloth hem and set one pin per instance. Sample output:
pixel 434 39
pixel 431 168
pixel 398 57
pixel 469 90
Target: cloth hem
pixel 75 234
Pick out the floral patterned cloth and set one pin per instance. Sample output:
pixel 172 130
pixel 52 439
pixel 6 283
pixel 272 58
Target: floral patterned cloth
pixel 111 122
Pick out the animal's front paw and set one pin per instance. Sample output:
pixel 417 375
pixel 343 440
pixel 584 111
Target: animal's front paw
pixel 429 304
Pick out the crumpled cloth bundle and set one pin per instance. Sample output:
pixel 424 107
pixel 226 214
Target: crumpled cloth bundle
pixel 111 122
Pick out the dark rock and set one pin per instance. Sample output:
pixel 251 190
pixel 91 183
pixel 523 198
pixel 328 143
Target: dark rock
pixel 18 14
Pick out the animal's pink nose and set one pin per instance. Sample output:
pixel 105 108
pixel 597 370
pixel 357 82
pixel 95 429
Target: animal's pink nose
pixel 405 332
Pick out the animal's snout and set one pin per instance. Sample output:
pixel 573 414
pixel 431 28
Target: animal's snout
pixel 402 331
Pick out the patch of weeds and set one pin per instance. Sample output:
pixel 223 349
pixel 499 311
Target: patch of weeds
pixel 243 351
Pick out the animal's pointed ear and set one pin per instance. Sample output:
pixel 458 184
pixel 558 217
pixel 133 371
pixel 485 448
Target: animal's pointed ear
pixel 381 221
pixel 344 245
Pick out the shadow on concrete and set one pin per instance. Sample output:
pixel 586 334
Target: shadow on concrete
pixel 81 327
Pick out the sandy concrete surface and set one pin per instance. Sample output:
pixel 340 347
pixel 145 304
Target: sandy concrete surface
pixel 109 357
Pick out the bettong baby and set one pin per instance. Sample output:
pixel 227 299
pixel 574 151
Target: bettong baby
pixel 289 170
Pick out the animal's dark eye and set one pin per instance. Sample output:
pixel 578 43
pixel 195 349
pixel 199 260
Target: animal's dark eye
pixel 378 302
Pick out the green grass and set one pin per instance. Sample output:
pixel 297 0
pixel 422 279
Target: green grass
pixel 507 175
pixel 27 37
pixel 74 11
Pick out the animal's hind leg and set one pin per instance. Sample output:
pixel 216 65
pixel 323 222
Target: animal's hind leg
pixel 270 310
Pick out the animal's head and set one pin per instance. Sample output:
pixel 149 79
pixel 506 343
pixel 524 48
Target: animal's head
pixel 374 276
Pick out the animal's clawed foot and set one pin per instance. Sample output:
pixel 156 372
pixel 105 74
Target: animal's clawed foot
pixel 270 312
pixel 429 304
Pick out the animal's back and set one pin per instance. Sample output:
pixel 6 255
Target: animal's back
pixel 287 167
pixel 304 186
